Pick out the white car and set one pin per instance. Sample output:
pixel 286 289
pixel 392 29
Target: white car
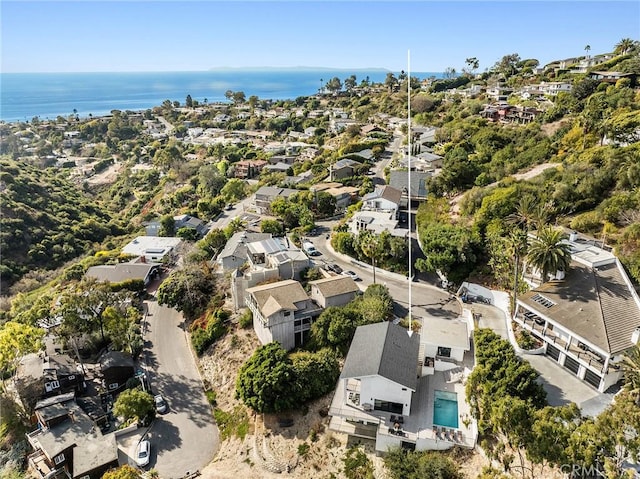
pixel 143 453
pixel 160 403
pixel 351 274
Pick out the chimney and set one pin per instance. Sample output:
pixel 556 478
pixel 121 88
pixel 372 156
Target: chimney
pixel 573 236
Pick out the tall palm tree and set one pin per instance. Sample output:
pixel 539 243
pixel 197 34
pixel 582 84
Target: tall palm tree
pixel 587 49
pixel 548 252
pixel 371 245
pixel 625 45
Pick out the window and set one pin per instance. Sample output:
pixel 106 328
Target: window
pixel 287 313
pixel 71 377
pixel 113 386
pixel 546 302
pixel 444 352
pixel 58 459
pixel 388 406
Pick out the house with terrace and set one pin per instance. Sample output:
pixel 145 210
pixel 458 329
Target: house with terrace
pixel 384 198
pixel 344 168
pixel 266 194
pixel 152 248
pixel 416 192
pixel 67 444
pixel 403 389
pixel 282 312
pixel 585 318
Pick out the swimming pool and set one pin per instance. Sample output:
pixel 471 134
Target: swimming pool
pixel 445 409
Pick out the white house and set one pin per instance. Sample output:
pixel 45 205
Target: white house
pixel 152 248
pixel 384 198
pixel 282 312
pixel 382 396
pixel 587 317
pixel 333 291
pixel 443 344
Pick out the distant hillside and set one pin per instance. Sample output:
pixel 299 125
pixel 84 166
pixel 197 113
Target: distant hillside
pixel 44 221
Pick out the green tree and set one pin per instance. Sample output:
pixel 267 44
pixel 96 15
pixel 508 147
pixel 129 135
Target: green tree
pixel 133 404
pixel 334 85
pixel 350 83
pixel 625 45
pixel 213 242
pixel 234 190
pixel 189 102
pixel 390 81
pixel 188 290
pixel 167 226
pixel 16 340
pixel 316 373
pixel 472 64
pixel 272 226
pixel 548 253
pixel 266 381
pixel 631 368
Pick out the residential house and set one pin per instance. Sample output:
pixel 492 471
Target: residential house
pixel 152 248
pixel 266 194
pixel 371 128
pixel 282 312
pixel 286 159
pixel 338 125
pixel 121 272
pixel 553 88
pixel 612 77
pixel 377 222
pixel 248 168
pixel 384 394
pixel 234 254
pixel 344 195
pixel 191 222
pixel 499 92
pixel 384 198
pixel 343 168
pixel 399 179
pixel 67 443
pixel 47 373
pixel 116 368
pixel 333 291
pixel 586 317
pixel 278 168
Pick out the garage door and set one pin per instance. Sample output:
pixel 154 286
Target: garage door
pixel 553 352
pixel 592 378
pixel 571 364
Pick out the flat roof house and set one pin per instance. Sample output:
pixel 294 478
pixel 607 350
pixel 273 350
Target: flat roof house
pixel 587 318
pixel 282 312
pixel 152 248
pixel 118 273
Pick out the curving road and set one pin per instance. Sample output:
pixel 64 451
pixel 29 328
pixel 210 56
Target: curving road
pixel 184 439
pixel 426 298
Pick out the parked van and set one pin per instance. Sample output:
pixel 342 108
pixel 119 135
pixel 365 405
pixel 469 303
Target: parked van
pixel 310 249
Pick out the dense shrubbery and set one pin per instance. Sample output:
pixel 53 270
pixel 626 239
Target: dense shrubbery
pixel 208 330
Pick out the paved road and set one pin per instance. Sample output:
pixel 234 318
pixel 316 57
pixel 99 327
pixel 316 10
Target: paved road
pixel 185 438
pixel 426 298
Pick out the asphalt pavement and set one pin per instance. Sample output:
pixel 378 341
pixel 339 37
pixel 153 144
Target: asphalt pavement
pixel 185 438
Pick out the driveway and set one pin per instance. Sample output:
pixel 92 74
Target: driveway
pixel 185 438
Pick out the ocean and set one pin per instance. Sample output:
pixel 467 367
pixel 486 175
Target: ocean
pixel 24 96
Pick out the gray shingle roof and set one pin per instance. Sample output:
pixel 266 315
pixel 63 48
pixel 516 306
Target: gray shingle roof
pixel 400 178
pixel 383 349
pixel 596 304
pixel 335 285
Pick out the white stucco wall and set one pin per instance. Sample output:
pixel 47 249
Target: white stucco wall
pixel 377 387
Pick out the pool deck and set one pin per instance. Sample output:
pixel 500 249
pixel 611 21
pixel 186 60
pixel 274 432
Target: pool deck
pixel 417 428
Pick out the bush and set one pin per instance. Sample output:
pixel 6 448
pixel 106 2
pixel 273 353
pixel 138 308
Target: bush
pixel 246 320
pixel 234 423
pixel 204 335
pixel 303 449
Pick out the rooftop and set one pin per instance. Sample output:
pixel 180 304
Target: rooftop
pixel 117 273
pixel 274 297
pixel 445 332
pixel 384 349
pixel 335 285
pixel 597 304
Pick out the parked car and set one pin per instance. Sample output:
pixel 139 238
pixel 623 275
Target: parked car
pixel 143 453
pixel 351 274
pixel 160 404
pixel 334 267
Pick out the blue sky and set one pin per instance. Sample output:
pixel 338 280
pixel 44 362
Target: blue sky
pixel 86 36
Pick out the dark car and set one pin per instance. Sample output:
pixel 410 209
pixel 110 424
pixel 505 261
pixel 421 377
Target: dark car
pixel 334 267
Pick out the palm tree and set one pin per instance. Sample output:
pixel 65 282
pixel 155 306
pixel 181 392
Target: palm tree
pixel 548 252
pixel 625 45
pixel 587 49
pixel 371 245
